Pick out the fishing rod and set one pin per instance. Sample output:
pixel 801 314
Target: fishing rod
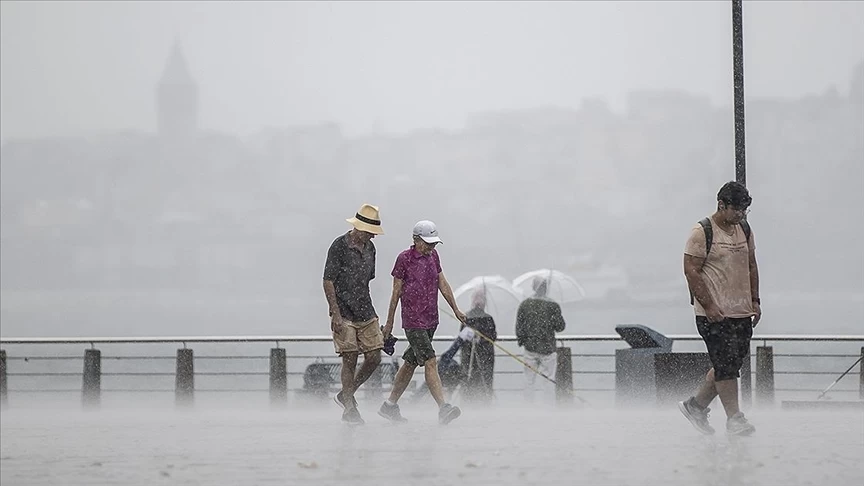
pixel 517 358
pixel 840 378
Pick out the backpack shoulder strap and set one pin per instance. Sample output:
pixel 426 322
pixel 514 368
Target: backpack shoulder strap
pixel 709 234
pixel 746 227
pixel 709 238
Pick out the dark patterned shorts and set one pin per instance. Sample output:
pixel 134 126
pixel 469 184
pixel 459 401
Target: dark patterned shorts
pixel 419 346
pixel 728 343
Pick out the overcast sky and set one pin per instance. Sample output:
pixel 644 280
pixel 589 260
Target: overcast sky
pixel 73 68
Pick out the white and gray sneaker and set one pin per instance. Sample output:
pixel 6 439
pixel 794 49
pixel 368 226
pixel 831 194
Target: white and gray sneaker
pixel 352 416
pixel 339 401
pixel 697 417
pixel 448 413
pixel 391 412
pixel 738 425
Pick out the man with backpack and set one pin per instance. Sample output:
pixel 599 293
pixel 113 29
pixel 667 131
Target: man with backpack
pixel 721 272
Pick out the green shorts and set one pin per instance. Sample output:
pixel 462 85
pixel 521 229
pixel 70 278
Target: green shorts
pixel 419 346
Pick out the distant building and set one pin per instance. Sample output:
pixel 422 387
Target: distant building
pixel 665 105
pixel 177 99
pixel 856 87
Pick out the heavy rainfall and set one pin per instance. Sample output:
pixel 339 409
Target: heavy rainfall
pixel 497 243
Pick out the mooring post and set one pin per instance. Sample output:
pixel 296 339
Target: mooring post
pixel 184 381
pixel 860 381
pixel 91 387
pixel 564 376
pixel 4 390
pixel 747 381
pixel 765 375
pixel 278 377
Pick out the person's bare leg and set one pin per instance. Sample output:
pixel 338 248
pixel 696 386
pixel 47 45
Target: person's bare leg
pixel 728 391
pixel 708 391
pixel 371 360
pixel 433 381
pixel 401 381
pixel 349 364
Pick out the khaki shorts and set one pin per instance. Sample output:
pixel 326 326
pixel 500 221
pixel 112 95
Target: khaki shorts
pixel 358 337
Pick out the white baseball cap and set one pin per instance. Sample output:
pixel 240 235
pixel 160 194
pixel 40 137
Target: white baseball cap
pixel 427 231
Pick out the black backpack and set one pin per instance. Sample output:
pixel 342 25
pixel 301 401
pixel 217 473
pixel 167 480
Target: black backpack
pixel 709 237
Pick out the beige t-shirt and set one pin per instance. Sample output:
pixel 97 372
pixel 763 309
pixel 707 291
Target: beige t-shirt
pixel 727 269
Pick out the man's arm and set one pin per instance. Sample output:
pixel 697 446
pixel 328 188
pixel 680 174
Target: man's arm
pixel 330 293
pixel 331 272
pixel 374 262
pixel 394 302
pixel 754 287
pixel 693 274
pixel 451 351
pixel 754 277
pixel 558 319
pixel 447 292
pixel 520 324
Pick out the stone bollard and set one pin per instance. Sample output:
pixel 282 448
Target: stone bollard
pixel 747 382
pixel 4 391
pixel 765 375
pixel 860 381
pixel 91 386
pixel 564 376
pixel 278 377
pixel 184 379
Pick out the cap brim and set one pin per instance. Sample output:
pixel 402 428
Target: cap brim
pixel 431 239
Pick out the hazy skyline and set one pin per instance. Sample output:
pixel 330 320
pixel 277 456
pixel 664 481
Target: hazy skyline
pixel 76 68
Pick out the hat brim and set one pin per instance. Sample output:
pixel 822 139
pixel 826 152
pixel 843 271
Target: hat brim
pixel 369 228
pixel 431 239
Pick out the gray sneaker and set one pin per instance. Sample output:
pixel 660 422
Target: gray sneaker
pixel 391 412
pixel 448 413
pixel 338 400
pixel 352 416
pixel 738 425
pixel 699 418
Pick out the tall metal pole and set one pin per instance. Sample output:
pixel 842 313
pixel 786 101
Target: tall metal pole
pixel 738 83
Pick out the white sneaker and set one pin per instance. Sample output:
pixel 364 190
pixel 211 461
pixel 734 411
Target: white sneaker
pixel 699 418
pixel 738 425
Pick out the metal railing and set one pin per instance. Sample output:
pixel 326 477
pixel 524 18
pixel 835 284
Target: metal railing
pixel 326 338
pixel 589 379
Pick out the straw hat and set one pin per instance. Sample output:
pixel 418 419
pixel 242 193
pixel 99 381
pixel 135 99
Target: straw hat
pixel 367 220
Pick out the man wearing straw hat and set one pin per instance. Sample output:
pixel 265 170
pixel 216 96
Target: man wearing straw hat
pixel 417 279
pixel 349 268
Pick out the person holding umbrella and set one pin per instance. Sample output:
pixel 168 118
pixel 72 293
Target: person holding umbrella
pixel 478 355
pixel 537 321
